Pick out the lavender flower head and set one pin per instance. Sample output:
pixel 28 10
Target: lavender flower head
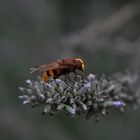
pixel 92 96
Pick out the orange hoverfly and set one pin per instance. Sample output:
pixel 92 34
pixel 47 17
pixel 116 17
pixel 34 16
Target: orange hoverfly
pixel 60 67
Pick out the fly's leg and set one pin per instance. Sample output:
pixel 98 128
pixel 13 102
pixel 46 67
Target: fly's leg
pixel 78 74
pixel 67 79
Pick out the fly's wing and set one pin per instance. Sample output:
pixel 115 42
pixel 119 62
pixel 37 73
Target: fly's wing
pixel 41 68
pixel 51 66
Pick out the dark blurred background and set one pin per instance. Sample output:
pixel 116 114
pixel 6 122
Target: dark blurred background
pixel 106 34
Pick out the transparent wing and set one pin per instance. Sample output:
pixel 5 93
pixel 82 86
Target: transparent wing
pixel 51 66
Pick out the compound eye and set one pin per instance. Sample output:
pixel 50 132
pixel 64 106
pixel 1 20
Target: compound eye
pixel 82 63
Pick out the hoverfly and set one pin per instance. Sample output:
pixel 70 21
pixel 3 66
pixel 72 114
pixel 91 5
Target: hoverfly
pixel 59 67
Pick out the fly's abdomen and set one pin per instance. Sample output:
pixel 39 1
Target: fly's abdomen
pixel 45 77
pixel 51 73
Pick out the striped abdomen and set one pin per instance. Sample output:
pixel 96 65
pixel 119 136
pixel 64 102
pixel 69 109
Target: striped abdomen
pixel 51 73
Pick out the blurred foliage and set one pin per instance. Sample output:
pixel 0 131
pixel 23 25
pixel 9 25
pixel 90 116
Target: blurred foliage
pixel 105 34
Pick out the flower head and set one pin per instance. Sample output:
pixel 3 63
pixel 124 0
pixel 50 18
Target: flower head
pixel 90 96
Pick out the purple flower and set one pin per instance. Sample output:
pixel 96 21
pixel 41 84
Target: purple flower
pixel 117 104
